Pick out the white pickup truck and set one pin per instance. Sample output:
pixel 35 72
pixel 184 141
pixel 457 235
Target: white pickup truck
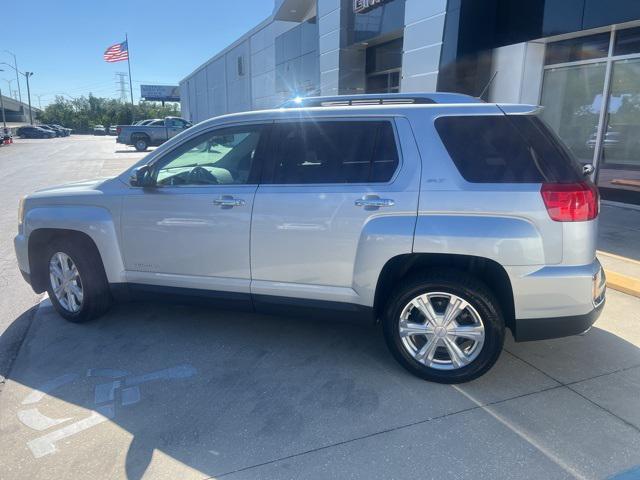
pixel 156 133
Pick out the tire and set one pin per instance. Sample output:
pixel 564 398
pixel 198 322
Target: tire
pixel 141 144
pixel 92 280
pixel 481 312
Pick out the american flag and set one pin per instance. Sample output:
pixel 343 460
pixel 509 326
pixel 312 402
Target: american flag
pixel 116 53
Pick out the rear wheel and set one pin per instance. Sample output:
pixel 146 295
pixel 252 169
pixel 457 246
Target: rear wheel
pixel 444 327
pixel 141 144
pixel 77 284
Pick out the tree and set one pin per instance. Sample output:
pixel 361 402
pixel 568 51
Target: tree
pixel 83 113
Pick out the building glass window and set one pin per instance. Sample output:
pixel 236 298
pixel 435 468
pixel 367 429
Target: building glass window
pixel 575 49
pixel 593 104
pixel 383 66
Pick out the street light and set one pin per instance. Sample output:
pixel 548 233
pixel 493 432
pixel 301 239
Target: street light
pixel 15 63
pixel 4 118
pixel 26 76
pixel 9 82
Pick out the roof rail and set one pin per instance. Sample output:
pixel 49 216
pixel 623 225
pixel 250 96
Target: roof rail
pixel 379 99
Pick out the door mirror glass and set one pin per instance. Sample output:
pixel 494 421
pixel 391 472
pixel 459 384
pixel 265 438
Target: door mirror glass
pixel 141 177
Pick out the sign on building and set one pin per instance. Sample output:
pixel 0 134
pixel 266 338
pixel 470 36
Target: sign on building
pixel 361 6
pixel 160 93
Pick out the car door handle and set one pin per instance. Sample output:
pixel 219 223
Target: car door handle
pixel 229 201
pixel 374 202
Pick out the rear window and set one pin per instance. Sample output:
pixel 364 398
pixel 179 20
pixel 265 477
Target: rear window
pixel 506 149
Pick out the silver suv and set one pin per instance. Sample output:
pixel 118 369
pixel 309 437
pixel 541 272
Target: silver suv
pixel 444 218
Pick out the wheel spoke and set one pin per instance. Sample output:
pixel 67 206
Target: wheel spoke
pixel 426 353
pixel 56 271
pixel 458 358
pixel 472 332
pixel 426 309
pixel 77 292
pixel 454 308
pixel 63 261
pixel 410 329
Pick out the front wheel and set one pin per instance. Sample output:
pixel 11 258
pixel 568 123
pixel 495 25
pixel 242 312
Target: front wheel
pixel 77 286
pixel 445 327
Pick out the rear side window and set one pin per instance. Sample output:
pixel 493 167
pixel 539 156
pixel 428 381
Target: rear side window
pixel 335 152
pixel 506 149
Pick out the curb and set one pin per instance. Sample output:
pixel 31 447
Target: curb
pixel 623 283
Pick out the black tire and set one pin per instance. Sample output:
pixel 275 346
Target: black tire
pixel 470 289
pixel 95 287
pixel 141 144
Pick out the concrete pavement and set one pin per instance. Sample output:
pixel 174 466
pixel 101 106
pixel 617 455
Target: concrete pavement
pixel 26 166
pixel 170 391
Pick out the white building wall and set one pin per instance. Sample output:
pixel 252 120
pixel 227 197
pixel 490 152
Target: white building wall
pixel 423 33
pixel 263 65
pixel 329 49
pixel 519 74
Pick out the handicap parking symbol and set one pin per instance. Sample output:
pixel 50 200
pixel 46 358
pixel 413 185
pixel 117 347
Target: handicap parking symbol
pixel 105 403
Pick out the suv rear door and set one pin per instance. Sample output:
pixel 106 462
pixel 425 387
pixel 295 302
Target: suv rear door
pixel 330 183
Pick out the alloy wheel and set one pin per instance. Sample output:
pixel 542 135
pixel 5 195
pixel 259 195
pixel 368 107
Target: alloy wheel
pixel 66 282
pixel 441 330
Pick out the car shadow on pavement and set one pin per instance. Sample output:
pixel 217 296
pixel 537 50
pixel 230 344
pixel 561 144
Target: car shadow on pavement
pixel 181 391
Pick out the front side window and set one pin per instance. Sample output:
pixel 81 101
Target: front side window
pixel 222 157
pixel 335 152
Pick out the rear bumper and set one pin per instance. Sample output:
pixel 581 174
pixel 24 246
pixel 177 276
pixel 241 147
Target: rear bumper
pixel 529 329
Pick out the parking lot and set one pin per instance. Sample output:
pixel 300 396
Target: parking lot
pixel 173 391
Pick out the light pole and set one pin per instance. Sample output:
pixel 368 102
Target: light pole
pixel 40 101
pixel 10 82
pixel 26 75
pixel 15 67
pixel 4 118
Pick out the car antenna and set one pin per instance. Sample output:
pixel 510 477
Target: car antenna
pixel 484 90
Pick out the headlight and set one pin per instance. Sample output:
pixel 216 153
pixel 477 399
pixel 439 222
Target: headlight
pixel 21 211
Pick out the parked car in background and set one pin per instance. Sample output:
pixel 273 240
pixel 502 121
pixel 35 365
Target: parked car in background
pixel 35 132
pixel 55 132
pixel 113 130
pixel 67 131
pixel 446 219
pixel 60 132
pixel 99 130
pixel 155 133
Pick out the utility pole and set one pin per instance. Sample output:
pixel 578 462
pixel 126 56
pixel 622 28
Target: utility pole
pixel 15 65
pixel 27 75
pixel 39 102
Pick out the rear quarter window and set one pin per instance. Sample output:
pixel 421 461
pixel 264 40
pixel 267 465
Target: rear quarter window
pixel 506 149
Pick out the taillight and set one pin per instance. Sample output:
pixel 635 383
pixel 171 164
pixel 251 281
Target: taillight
pixel 118 130
pixel 571 202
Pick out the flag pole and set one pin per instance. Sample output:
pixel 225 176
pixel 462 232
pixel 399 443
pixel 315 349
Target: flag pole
pixel 126 38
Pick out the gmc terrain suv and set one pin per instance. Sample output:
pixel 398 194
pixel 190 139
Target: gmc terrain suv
pixel 445 218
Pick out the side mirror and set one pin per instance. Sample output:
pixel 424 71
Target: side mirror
pixel 141 177
pixel 588 169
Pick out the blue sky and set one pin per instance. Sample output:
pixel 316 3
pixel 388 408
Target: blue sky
pixel 62 41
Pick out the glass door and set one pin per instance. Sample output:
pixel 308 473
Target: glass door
pixel 572 97
pixel 620 157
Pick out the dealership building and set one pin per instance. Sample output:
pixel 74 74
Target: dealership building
pixel 580 59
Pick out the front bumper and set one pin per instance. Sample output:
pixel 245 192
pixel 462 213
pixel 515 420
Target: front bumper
pixel 528 329
pixel 22 253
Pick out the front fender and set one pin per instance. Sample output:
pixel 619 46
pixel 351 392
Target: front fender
pixel 506 240
pixel 96 222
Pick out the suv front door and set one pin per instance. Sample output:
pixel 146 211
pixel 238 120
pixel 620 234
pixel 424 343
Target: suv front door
pixel 192 228
pixel 329 185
